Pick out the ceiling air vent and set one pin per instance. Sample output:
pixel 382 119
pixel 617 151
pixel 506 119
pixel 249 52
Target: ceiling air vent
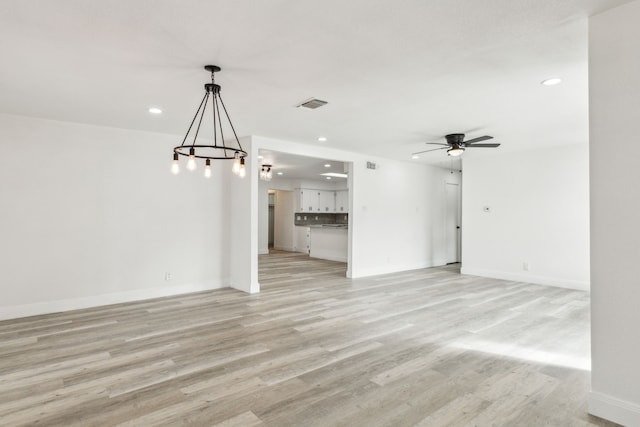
pixel 312 103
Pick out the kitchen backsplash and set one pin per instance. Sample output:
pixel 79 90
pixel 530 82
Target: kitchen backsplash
pixel 307 218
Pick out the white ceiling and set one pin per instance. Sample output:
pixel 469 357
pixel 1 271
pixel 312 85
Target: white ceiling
pixel 301 167
pixel 395 73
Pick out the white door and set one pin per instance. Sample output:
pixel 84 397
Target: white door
pixel 452 222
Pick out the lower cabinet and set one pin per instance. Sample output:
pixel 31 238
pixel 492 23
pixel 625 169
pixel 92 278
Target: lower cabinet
pixel 302 239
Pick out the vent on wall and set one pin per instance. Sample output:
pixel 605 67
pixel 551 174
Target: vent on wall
pixel 312 103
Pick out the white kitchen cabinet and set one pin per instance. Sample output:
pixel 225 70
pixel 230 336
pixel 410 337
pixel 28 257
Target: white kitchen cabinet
pixel 321 201
pixel 342 201
pixel 302 239
pixel 328 243
pixel 327 201
pixel 309 200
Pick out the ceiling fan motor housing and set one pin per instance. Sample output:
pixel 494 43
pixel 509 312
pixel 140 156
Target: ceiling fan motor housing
pixel 455 139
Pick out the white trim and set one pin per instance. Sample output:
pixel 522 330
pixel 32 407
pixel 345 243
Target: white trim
pixel 614 409
pixel 328 254
pixel 538 280
pixel 394 269
pixel 57 306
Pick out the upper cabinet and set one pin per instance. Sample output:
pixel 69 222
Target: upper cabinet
pixel 327 201
pixel 342 201
pixel 322 201
pixel 308 200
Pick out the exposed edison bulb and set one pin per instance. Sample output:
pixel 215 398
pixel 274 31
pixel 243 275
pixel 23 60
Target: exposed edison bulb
pixel 207 169
pixel 243 171
pixel 191 163
pixel 236 163
pixel 175 166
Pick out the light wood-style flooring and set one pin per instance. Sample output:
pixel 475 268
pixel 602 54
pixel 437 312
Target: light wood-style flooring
pixel 421 348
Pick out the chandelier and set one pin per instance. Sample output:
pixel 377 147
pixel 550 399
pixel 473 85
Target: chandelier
pixel 265 173
pixel 219 150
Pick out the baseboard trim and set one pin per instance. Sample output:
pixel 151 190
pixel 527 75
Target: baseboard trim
pixel 285 248
pixel 614 409
pixel 329 255
pixel 527 278
pixel 48 307
pixel 355 274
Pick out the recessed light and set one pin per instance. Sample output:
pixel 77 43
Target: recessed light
pixel 261 157
pixel 280 173
pixel 322 139
pixel 155 110
pixel 551 81
pixel 327 165
pixel 415 156
pixel 328 177
pixel 334 174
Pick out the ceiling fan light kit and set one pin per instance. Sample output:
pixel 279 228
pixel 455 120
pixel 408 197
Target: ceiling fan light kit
pixel 456 145
pixel 455 151
pixel 219 150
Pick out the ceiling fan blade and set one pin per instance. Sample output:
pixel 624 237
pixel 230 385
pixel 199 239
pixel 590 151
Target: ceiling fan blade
pixel 433 149
pixel 437 143
pixel 478 139
pixel 494 145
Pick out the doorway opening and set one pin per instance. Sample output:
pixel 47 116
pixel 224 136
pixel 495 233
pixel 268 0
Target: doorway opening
pixel 272 198
pixel 304 208
pixel 453 219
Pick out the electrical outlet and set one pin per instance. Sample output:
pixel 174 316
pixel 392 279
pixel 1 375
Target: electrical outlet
pixel 525 266
pixel 167 276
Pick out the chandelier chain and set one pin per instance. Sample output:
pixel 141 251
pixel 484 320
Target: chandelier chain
pixel 204 108
pixel 194 119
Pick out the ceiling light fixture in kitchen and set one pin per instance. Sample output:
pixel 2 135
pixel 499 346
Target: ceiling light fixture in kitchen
pixel 219 150
pixel 265 173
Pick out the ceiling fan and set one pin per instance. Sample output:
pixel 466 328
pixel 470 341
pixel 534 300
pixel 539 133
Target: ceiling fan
pixel 456 144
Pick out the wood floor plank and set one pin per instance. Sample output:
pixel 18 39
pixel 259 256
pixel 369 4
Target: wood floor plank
pixel 427 347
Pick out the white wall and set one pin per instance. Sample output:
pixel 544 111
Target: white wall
pixel 396 212
pixel 263 217
pixel 92 215
pixel 614 79
pixel 539 202
pixel 398 216
pixel 243 223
